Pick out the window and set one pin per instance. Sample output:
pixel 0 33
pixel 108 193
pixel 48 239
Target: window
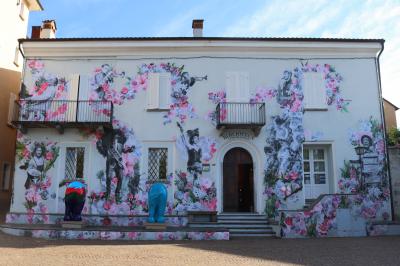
pixel 157 168
pixel 158 91
pixel 22 11
pixel 6 174
pixel 16 56
pixel 314 91
pixel 314 161
pixel 74 161
pixel 237 87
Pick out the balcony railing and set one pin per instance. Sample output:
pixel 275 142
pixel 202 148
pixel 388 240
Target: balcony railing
pixel 64 113
pixel 240 115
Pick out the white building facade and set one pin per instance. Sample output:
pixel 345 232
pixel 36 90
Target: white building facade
pixel 229 124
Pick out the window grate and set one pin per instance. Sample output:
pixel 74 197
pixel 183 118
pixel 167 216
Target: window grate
pixel 157 163
pixel 74 159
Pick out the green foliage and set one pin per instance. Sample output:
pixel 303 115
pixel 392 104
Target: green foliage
pixel 270 206
pixel 393 137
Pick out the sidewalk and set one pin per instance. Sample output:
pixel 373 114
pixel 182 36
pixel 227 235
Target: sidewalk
pixel 332 251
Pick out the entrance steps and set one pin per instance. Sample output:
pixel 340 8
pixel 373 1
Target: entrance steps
pixel 241 225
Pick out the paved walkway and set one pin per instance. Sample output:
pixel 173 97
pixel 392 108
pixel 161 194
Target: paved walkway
pixel 334 251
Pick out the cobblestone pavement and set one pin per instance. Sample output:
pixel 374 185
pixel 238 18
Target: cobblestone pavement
pixel 334 251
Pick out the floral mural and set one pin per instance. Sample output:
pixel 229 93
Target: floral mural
pixel 366 192
pixel 181 82
pixel 36 158
pixel 332 80
pixel 194 194
pixel 285 135
pixel 46 87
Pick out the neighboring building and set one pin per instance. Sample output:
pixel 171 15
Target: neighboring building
pixel 13 26
pixel 242 125
pixel 390 114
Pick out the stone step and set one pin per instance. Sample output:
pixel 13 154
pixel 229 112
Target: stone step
pixel 251 231
pixel 234 235
pixel 228 226
pixel 242 217
pixel 228 221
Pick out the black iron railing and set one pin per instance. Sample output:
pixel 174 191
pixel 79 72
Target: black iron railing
pixel 62 112
pixel 240 114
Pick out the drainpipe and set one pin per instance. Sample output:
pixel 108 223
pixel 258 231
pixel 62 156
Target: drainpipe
pixel 384 126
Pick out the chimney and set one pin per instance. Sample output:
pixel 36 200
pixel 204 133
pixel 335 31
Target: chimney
pixel 48 29
pixel 197 26
pixel 35 32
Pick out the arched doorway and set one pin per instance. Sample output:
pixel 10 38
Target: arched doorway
pixel 238 182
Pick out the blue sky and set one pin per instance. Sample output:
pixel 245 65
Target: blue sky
pixel 238 18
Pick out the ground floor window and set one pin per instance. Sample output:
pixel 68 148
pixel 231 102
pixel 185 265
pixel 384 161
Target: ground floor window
pixel 157 163
pixel 74 162
pixel 316 174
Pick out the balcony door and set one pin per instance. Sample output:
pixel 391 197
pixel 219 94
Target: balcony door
pixel 238 192
pixel 237 91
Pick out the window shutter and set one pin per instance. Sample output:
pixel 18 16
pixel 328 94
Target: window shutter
pixel 11 108
pixel 231 91
pixel 243 88
pixel 314 90
pixel 72 104
pixel 164 90
pixel 22 11
pixel 16 56
pixel 153 90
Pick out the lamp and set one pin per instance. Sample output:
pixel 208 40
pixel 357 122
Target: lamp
pixel 360 151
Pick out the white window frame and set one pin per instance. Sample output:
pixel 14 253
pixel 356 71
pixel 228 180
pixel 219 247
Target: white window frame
pixel 314 91
pixel 23 10
pixel 158 91
pixel 168 144
pixel 16 56
pixel 148 162
pixel 88 172
pixel 4 186
pixel 312 187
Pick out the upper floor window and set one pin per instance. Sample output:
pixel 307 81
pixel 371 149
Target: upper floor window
pixel 158 90
pixel 23 10
pixel 157 168
pixel 314 91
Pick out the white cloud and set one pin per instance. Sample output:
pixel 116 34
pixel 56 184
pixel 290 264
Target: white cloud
pixel 340 19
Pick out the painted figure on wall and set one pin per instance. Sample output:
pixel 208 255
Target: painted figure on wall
pixel 102 79
pixel 35 168
pixel 111 146
pixel 284 87
pixel 193 148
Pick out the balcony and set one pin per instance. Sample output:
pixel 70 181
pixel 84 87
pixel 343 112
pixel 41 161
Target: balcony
pixel 241 116
pixel 61 114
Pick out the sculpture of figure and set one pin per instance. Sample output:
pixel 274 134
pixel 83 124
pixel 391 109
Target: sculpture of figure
pixel 35 166
pixel 157 201
pixel 75 194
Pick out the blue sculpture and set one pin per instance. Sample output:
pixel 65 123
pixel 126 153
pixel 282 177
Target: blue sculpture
pixel 157 201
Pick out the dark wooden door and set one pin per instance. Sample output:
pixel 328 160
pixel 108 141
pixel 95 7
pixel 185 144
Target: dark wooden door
pixel 238 181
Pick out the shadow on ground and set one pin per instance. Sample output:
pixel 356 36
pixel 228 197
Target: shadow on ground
pixel 328 251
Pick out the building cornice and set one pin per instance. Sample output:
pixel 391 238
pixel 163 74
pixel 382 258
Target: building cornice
pixel 245 47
